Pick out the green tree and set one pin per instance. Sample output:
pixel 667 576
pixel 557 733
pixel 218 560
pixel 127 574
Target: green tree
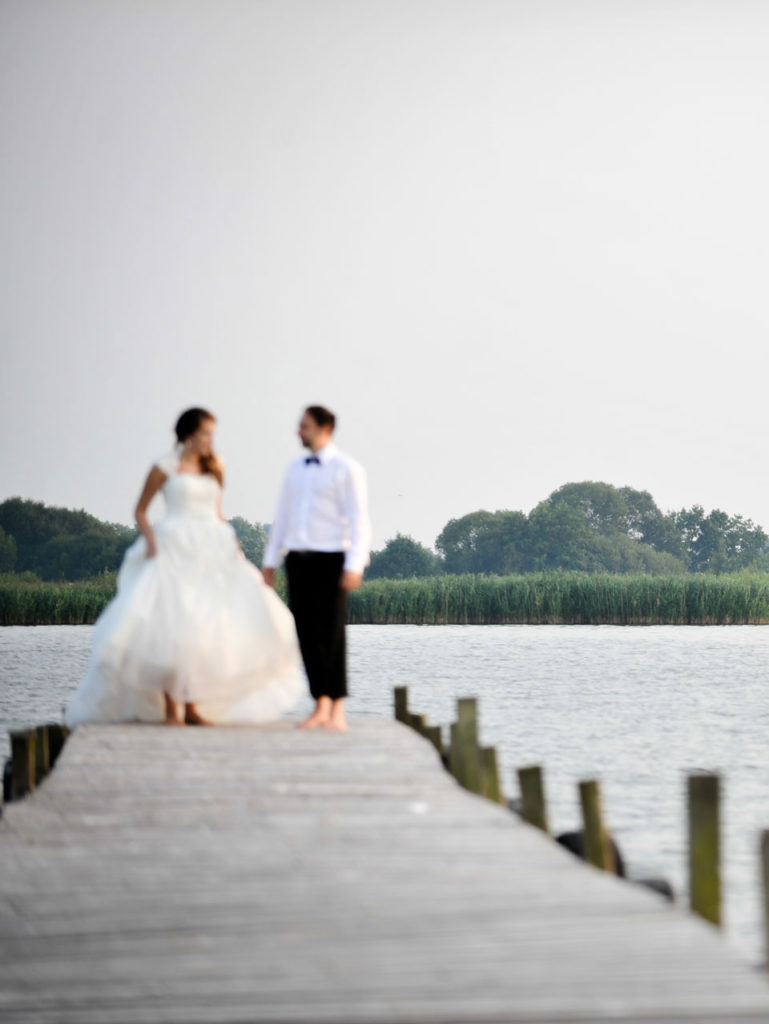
pixel 718 542
pixel 59 543
pixel 485 542
pixel 7 552
pixel 252 537
pixel 403 558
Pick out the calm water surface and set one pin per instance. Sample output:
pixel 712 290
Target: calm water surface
pixel 637 708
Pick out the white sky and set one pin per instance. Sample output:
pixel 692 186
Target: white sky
pixel 512 244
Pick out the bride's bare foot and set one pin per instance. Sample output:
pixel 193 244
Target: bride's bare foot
pixel 320 716
pixel 192 717
pixel 336 722
pixel 172 715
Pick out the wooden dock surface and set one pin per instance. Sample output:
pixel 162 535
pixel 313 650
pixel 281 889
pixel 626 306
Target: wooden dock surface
pixel 266 874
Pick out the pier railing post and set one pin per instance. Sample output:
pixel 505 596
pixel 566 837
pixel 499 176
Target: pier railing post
pixel 401 695
pixel 23 761
pixel 704 846
pixel 533 806
pixel 464 758
pixel 598 848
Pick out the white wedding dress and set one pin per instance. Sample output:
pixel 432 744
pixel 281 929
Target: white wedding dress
pixel 196 621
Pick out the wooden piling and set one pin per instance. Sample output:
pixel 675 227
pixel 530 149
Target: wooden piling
pixel 57 735
pixel 598 849
pixel 491 787
pixel 765 886
pixel 23 756
pixel 42 754
pixel 401 695
pixel 464 758
pixel 417 722
pixel 704 846
pixel 533 806
pixel 434 734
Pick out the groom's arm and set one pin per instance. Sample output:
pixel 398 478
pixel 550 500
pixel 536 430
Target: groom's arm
pixel 278 533
pixel 359 524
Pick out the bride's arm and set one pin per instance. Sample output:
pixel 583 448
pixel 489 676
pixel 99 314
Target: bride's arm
pixel 155 480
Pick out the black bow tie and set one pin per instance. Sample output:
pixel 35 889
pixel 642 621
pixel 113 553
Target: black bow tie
pixel 310 459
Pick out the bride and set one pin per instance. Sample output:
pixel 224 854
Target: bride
pixel 193 635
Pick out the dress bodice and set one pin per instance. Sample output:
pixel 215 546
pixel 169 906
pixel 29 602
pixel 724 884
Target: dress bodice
pixel 190 494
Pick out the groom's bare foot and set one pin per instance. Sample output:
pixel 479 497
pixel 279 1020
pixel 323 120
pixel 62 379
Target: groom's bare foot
pixel 320 716
pixel 337 721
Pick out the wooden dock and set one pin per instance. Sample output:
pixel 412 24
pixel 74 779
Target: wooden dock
pixel 264 874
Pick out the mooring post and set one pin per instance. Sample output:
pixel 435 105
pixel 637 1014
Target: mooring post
pixel 401 694
pixel 533 807
pixel 417 722
pixel 598 849
pixel 434 734
pixel 23 758
pixel 464 759
pixel 765 880
pixel 42 754
pixel 490 775
pixel 704 846
pixel 57 735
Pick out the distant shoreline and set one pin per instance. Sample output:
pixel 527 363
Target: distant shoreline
pixel 548 598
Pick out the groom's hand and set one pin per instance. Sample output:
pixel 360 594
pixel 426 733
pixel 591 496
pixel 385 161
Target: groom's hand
pixel 351 580
pixel 268 575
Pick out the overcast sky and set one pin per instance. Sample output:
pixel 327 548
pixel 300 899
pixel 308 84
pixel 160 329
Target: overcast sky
pixel 512 244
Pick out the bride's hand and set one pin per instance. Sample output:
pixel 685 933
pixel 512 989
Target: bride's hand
pixel 152 548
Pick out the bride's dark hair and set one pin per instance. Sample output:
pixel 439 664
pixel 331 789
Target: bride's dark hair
pixel 187 424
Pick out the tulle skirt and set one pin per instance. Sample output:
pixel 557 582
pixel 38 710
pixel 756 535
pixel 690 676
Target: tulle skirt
pixel 196 621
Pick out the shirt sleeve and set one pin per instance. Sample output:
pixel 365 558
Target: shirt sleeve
pixel 276 541
pixel 356 509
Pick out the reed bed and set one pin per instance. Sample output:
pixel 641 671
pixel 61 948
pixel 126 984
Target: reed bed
pixel 560 598
pixel 25 602
pixel 565 598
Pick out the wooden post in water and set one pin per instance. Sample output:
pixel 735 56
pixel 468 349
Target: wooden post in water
pixel 598 849
pixel 434 734
pixel 765 880
pixel 464 759
pixel 490 775
pixel 57 735
pixel 533 807
pixel 704 847
pixel 23 758
pixel 401 694
pixel 42 754
pixel 417 722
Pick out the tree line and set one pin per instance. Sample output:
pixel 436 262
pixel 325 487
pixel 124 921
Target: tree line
pixel 60 544
pixel 587 527
pixel 583 527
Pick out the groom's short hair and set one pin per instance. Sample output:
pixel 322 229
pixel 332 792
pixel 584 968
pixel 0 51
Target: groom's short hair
pixel 323 417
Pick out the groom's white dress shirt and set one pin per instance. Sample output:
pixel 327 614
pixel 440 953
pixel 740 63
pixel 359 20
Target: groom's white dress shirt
pixel 323 506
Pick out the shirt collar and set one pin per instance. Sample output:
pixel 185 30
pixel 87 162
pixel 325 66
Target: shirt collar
pixel 324 455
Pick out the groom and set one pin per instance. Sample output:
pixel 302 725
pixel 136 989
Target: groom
pixel 322 519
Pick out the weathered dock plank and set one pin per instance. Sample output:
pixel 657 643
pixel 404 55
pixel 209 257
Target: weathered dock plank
pixel 265 874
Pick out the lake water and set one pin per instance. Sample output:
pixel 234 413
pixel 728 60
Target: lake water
pixel 637 708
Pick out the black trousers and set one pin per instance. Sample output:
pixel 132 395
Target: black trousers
pixel 319 606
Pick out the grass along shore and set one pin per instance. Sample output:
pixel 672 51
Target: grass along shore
pixel 560 598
